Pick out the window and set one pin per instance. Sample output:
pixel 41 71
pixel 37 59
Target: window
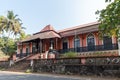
pixel 34 48
pixel 21 52
pixel 77 44
pixel 91 42
pixel 107 42
pixel 27 49
pixel 65 44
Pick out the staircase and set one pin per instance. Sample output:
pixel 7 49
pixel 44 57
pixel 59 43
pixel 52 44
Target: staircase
pixel 20 66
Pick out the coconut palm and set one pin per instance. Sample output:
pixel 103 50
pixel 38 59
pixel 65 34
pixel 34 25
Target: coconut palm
pixel 10 25
pixel 3 22
pixel 24 36
pixel 14 24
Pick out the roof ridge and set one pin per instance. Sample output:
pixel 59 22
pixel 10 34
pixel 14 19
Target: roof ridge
pixel 79 26
pixel 47 28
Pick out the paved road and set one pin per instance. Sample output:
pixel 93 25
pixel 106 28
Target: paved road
pixel 23 76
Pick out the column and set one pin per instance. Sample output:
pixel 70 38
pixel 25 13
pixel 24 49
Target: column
pixel 40 46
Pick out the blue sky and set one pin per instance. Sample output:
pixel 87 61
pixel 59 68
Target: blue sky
pixel 35 14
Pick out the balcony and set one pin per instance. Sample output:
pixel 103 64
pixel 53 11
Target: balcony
pixel 79 49
pixel 91 48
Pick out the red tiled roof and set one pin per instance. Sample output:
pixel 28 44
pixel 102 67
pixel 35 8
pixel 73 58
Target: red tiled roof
pixel 76 27
pixel 43 35
pixel 47 28
pixel 49 32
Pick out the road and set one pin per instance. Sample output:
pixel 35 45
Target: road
pixel 5 75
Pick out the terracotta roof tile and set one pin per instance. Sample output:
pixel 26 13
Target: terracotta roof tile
pixel 49 32
pixel 47 28
pixel 43 35
pixel 76 27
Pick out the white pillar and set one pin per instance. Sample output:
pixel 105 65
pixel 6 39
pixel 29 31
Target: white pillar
pixel 51 43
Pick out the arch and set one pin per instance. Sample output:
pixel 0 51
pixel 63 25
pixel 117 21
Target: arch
pixel 90 42
pixel 77 43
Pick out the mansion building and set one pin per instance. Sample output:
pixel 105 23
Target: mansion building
pixel 80 39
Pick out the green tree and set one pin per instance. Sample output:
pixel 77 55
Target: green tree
pixel 11 45
pixel 109 19
pixel 24 36
pixel 10 25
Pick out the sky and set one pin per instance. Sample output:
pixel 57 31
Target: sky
pixel 61 14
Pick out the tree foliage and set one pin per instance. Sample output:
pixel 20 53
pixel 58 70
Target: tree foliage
pixel 10 26
pixel 11 45
pixel 24 36
pixel 109 19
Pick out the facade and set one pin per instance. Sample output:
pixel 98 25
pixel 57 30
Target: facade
pixel 82 38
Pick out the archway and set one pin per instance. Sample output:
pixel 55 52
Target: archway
pixel 90 42
pixel 77 44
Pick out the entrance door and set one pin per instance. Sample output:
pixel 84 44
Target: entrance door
pixel 107 42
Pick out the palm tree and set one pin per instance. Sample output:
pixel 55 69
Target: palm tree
pixel 3 22
pixel 10 25
pixel 14 24
pixel 24 36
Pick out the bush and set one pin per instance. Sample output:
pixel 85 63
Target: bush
pixel 70 54
pixel 28 71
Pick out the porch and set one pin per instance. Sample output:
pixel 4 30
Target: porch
pixel 79 50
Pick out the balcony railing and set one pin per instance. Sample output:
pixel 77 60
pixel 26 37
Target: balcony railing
pixel 79 49
pixel 91 48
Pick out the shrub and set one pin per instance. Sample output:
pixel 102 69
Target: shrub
pixel 28 71
pixel 70 54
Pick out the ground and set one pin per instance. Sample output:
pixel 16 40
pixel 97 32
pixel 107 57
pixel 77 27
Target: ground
pixel 5 75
